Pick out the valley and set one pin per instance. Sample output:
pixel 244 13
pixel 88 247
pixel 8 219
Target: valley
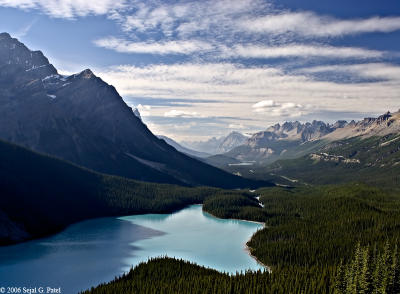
pixel 89 194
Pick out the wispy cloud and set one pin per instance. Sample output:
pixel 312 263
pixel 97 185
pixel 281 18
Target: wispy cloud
pixel 254 51
pixel 384 71
pixel 169 47
pixel 245 86
pixel 312 25
pixel 181 113
pixel 237 126
pixel 67 8
pixel 144 110
pixel 187 18
pixel 23 31
pixel 196 47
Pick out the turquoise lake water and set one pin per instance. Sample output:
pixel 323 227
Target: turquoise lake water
pixel 95 251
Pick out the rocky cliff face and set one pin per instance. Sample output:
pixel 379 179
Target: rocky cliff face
pixel 293 131
pixel 388 123
pixel 294 139
pixel 82 119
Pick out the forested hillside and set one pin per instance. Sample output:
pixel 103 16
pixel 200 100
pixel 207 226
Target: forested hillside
pixel 310 238
pixel 41 195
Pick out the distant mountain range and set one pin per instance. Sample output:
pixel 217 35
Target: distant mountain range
pixel 82 119
pixel 293 139
pixel 281 140
pixel 319 153
pixel 217 145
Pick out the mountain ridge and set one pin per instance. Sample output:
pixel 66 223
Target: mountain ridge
pixel 293 139
pixel 82 119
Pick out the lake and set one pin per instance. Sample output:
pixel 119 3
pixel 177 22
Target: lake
pixel 95 251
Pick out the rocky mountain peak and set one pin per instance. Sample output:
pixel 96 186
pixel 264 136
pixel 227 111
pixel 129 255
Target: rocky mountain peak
pixel 86 74
pixel 4 36
pixel 15 53
pixel 289 126
pixel 384 117
pixel 339 124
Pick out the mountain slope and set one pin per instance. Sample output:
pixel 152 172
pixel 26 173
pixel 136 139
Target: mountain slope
pixel 366 151
pixel 374 160
pixel 41 195
pixel 82 119
pixel 289 140
pixel 182 149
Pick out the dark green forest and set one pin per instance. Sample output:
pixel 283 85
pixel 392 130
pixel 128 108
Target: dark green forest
pixel 370 271
pixel 168 276
pixel 310 238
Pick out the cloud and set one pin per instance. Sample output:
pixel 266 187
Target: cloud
pixel 144 110
pixel 180 113
pixel 275 109
pixel 187 18
pixel 310 24
pixel 213 85
pixel 170 47
pixel 245 51
pixel 236 126
pixel 384 71
pixel 304 51
pixel 190 18
pixel 67 8
pixel 23 31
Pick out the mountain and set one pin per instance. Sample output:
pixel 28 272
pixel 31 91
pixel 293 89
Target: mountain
pixel 231 141
pixel 364 151
pixel 218 145
pixel 288 140
pixel 388 123
pixel 82 119
pixel 182 149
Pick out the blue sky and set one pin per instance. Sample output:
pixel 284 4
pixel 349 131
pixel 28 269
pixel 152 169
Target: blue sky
pixel 197 69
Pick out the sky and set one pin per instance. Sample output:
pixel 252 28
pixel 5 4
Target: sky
pixel 199 69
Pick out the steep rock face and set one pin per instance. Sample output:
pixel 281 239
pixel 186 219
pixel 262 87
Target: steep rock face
pixel 82 119
pixel 388 123
pixel 295 139
pixel 285 140
pixel 292 131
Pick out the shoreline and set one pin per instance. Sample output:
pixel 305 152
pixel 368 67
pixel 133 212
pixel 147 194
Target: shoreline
pixel 248 250
pixel 246 247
